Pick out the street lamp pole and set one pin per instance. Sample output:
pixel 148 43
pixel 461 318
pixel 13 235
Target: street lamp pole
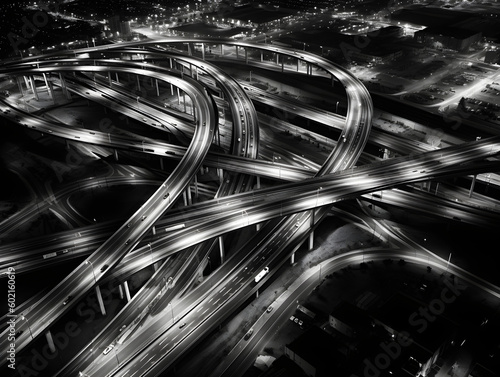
pixel 93 272
pixel 172 311
pixel 29 327
pixel 448 264
pixel 317 195
pixel 150 252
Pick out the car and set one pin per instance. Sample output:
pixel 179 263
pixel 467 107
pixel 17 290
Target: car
pixel 292 318
pixel 269 309
pixel 182 325
pixel 165 196
pixel 296 320
pixel 104 268
pixel 300 323
pixel 68 300
pixel 143 218
pixel 128 241
pixel 108 349
pixel 248 334
pixel 122 328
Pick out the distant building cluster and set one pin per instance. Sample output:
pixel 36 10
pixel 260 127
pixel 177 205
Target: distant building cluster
pixel 118 28
pixel 448 37
pixel 394 339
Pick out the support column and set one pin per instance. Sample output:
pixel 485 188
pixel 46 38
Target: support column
pixel 99 299
pixel 20 85
pixel 157 88
pixel 221 50
pixel 203 51
pixel 109 79
pixel 116 77
pixel 63 86
pixel 33 87
pixel 261 57
pixel 51 87
pixel 188 192
pixel 47 85
pixel 277 58
pixel 257 226
pixel 257 294
pixel 138 83
pixel 283 65
pixel 246 55
pixel 127 292
pixel 298 65
pixel 292 258
pixel 196 186
pixel 184 197
pixel 161 163
pixel 154 230
pixel 222 250
pixel 178 97
pixel 116 154
pixel 311 240
pixel 50 341
pixel 472 185
pixel 220 174
pixel 237 52
pixel 120 290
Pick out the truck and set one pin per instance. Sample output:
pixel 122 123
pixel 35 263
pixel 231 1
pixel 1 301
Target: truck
pixel 261 274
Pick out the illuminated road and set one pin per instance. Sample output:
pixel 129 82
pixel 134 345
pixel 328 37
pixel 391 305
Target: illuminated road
pixel 156 348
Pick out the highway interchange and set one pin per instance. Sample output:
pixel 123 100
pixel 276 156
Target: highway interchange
pixel 288 211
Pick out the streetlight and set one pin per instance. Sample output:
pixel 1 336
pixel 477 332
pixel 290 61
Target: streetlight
pixel 448 264
pixel 116 355
pixel 317 194
pixel 93 272
pixel 29 327
pixel 172 311
pixel 245 212
pixel 150 252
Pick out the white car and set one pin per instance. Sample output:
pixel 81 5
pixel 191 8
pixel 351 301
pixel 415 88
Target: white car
pixel 108 349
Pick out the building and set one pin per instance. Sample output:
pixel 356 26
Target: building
pixel 448 38
pixel 401 316
pixel 492 57
pixel 316 353
pixel 350 320
pixel 118 28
